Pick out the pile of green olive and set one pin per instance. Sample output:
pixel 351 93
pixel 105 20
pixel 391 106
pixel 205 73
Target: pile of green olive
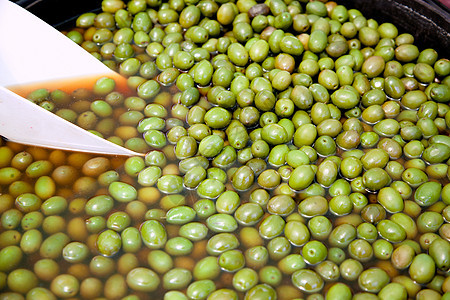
pixel 294 150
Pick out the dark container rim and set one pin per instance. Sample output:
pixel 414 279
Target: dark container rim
pixel 427 20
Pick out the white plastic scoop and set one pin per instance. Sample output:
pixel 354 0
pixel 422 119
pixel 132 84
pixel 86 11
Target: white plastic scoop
pixel 33 53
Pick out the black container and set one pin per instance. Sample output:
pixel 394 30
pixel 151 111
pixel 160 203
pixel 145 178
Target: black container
pixel 60 13
pixel 427 20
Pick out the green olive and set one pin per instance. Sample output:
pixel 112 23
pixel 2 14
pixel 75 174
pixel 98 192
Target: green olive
pixel 109 242
pixel 422 268
pixel 142 279
pixel 373 280
pixel 153 234
pixel 307 280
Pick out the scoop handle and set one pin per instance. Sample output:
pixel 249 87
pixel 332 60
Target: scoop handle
pixel 34 52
